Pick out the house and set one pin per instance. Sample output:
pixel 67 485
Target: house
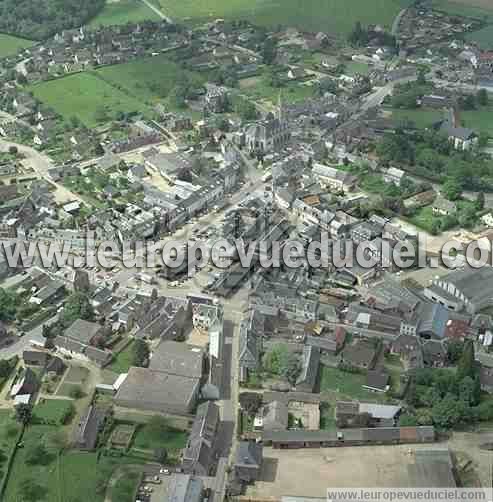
pixel 350 413
pixel 170 385
pixel 443 207
pixel 377 381
pixel 467 288
pixel 393 175
pixel 275 416
pixel 185 488
pixel 83 331
pixel 462 138
pixel 250 344
pixel 296 73
pixel 335 179
pixel 248 461
pixel 293 439
pixel 309 369
pixel 198 454
pixel 90 424
pixel 35 358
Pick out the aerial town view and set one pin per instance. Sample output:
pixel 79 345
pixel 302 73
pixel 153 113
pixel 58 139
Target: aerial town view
pixel 246 250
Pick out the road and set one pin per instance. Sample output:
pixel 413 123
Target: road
pixel 157 11
pixel 397 22
pixel 41 164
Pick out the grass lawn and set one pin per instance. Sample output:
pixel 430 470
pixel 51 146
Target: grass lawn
pixel 123 12
pixel 422 118
pixel 123 360
pixel 53 411
pixel 423 218
pixel 11 45
pixel 291 92
pixel 173 440
pixel 480 119
pixel 149 79
pixel 335 16
pixel 483 37
pixel 471 8
pixel 346 385
pixel 355 67
pixel 9 429
pixel 85 96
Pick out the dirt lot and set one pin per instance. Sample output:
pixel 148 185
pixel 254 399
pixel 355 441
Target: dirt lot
pixel 309 472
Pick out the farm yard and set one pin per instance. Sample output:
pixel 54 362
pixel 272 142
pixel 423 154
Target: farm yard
pixel 123 12
pixel 86 97
pixel 336 16
pixel 10 45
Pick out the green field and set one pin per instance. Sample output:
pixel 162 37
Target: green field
pixel 422 118
pixel 11 45
pixel 480 120
pixel 465 8
pixel 345 385
pixel 123 12
pixel 484 37
pixel 53 411
pixel 335 16
pixel 123 360
pixel 74 476
pixel 85 96
pixel 173 440
pixel 149 79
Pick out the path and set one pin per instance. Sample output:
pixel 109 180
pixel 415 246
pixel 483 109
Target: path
pixel 397 22
pixel 159 12
pixel 41 164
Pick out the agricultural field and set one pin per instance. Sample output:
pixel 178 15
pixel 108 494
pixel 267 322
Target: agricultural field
pixel 335 16
pixel 484 37
pixel 11 45
pixel 123 12
pixel 86 97
pixel 480 9
pixel 149 79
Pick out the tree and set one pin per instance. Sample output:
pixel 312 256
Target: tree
pixel 483 97
pixel 358 37
pixel 23 413
pixel 467 391
pixel 76 307
pixel 421 80
pixel 58 440
pixel 483 139
pixel 250 402
pixel 454 351
pixel 246 110
pixel 101 115
pixel 8 305
pixel 13 150
pixel 452 189
pixel 479 202
pixel 160 455
pixel 292 369
pixel 98 149
pixel 5 368
pixel 269 51
pixel 435 227
pixel 31 491
pixel 36 454
pixel 140 353
pixel 448 412
pixel 76 392
pixel 467 365
pixel 408 420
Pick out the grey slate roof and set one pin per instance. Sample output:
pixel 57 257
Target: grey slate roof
pixel 178 359
pixel 82 331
